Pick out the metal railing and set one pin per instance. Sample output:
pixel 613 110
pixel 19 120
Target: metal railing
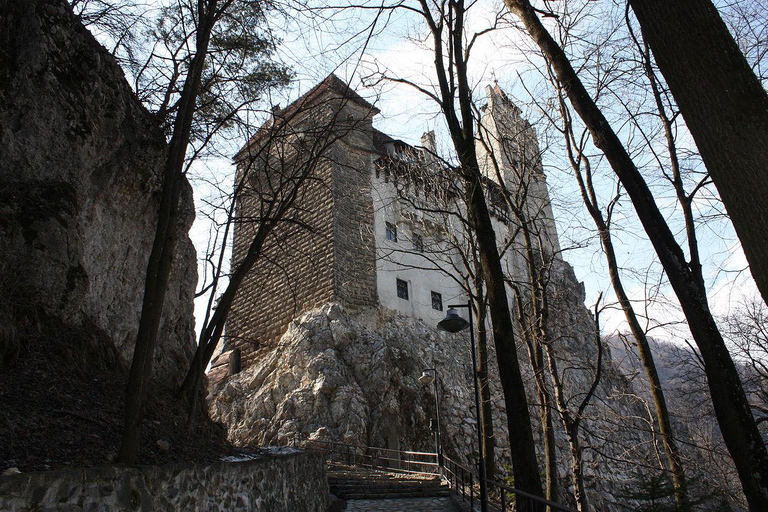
pixel 462 481
pixel 501 497
pixel 378 458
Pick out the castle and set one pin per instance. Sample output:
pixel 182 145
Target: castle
pixel 337 319
pixel 372 221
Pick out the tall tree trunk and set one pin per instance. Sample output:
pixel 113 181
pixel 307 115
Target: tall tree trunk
pixel 536 357
pixel 164 244
pixel 548 434
pixel 725 107
pixel 732 409
pixel 486 417
pixel 454 86
pixel 571 427
pixel 577 159
pixel 571 420
pixel 649 365
pixel 524 464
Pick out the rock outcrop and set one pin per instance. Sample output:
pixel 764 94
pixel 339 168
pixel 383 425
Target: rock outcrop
pixel 79 180
pixel 352 377
pixel 349 378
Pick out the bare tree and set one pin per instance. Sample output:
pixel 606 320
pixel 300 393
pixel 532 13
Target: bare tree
pixel 582 168
pixel 188 103
pixel 534 296
pixel 726 109
pixel 453 94
pixel 734 415
pixel 161 257
pixel 747 334
pixel 514 161
pixel 455 99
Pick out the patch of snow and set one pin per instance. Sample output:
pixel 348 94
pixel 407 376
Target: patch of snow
pixel 266 451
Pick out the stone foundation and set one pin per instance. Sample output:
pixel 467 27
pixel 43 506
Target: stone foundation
pixel 275 481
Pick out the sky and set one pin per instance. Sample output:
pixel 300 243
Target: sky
pixel 397 48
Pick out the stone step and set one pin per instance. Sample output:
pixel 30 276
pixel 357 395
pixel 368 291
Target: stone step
pixel 384 490
pixel 390 495
pixel 373 490
pixel 375 481
pixel 368 483
pixel 388 485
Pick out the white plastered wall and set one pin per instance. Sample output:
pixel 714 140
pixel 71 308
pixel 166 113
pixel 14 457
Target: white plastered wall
pixel 424 272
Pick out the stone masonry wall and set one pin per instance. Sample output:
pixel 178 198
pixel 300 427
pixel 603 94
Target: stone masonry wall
pixel 286 481
pixel 354 245
pixel 294 274
pixel 328 254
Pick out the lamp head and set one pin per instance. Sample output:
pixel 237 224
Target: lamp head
pixel 452 322
pixel 426 377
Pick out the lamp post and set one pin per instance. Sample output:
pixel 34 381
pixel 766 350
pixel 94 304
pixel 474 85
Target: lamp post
pixel 455 323
pixel 429 376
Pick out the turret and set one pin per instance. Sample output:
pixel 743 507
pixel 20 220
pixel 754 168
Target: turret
pixel 508 153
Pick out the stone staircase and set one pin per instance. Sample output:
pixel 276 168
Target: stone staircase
pixel 354 483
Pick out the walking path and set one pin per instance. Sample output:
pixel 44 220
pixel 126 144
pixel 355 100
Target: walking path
pixel 402 505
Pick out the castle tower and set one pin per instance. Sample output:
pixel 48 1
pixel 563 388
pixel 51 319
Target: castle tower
pixel 317 252
pixel 508 153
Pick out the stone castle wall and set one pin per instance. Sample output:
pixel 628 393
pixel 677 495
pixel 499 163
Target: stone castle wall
pixel 294 274
pixel 354 244
pixel 274 482
pixel 318 252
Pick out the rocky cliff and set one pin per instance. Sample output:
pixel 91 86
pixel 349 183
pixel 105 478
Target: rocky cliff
pixel 352 377
pixel 79 195
pixel 349 378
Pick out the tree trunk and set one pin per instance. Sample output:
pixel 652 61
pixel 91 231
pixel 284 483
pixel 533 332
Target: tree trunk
pixel 538 332
pixel 571 427
pixel 524 464
pixel 454 86
pixel 489 443
pixel 725 107
pixel 644 350
pixel 732 409
pixel 536 357
pixel 163 246
pixel 550 444
pixel 213 330
pixel 646 358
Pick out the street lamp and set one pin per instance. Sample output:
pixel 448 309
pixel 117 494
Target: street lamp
pixel 455 323
pixel 428 377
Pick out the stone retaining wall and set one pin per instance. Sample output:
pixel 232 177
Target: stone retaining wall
pixel 283 480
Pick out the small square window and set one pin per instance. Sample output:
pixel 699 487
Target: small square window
pixel 391 232
pixel 437 301
pixel 402 289
pixel 418 243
